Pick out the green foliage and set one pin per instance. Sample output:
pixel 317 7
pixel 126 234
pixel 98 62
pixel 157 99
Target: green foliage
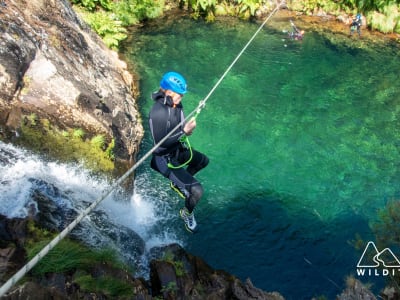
pixel 366 5
pixel 110 19
pixel 392 12
pixel 206 4
pixel 45 124
pixel 106 285
pixel 170 288
pixel 37 234
pixel 26 81
pixel 201 8
pixel 98 141
pixel 78 133
pixel 67 145
pixel 125 12
pixel 208 9
pixel 221 10
pixel 178 265
pixel 70 256
pixel 179 268
pixel 64 257
pixel 332 6
pixel 32 118
pixel 382 15
pixel 369 5
pixel 387 20
pixel 90 5
pixel 309 6
pixel 247 8
pixel 106 25
pixel 349 3
pixel 131 12
pixel 110 150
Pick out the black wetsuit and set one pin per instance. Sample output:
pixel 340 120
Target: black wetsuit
pixel 163 118
pixel 355 25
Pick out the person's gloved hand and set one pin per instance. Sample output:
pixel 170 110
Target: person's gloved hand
pixel 189 127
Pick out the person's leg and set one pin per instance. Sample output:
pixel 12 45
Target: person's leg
pixel 188 186
pixel 185 184
pixel 199 161
pixel 353 28
pixel 160 164
pixel 192 190
pixel 182 180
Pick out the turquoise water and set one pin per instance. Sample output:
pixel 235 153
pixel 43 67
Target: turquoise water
pixel 303 145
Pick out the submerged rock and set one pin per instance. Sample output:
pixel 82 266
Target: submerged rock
pixel 356 290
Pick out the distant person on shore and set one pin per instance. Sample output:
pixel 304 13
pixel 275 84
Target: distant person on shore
pixel 295 33
pixel 356 25
pixel 175 159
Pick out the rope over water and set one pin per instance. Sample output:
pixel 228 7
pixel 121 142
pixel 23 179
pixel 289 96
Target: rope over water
pixel 25 269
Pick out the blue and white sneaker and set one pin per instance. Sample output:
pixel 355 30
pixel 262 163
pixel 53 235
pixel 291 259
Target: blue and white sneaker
pixel 190 221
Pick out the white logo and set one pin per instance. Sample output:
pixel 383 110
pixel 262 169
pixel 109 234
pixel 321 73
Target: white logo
pixel 372 259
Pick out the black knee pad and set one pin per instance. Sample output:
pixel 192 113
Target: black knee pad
pixel 205 162
pixel 196 191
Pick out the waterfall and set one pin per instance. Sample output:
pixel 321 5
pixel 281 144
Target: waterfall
pixel 132 224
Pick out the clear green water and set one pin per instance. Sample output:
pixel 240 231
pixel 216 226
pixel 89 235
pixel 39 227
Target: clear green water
pixel 303 141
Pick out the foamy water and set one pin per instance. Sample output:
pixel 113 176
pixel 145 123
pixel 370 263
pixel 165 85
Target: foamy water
pixel 22 172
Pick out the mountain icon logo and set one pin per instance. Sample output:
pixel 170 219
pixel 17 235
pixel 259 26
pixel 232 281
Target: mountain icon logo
pixel 372 258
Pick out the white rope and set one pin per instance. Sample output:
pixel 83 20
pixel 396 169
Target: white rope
pixel 25 269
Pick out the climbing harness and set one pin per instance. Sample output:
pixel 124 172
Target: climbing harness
pixel 185 141
pixel 25 269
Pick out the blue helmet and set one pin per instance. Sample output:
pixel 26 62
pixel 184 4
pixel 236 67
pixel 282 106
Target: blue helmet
pixel 175 82
pixel 358 16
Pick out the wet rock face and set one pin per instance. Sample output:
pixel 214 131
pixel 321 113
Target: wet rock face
pixel 12 252
pixel 53 65
pixel 176 274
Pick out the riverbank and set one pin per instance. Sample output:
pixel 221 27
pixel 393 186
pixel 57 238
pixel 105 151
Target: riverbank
pixel 333 27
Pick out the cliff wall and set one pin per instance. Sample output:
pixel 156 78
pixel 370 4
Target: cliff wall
pixel 53 65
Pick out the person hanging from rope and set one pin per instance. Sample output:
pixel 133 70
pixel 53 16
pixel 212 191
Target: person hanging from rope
pixel 295 33
pixel 356 25
pixel 175 159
